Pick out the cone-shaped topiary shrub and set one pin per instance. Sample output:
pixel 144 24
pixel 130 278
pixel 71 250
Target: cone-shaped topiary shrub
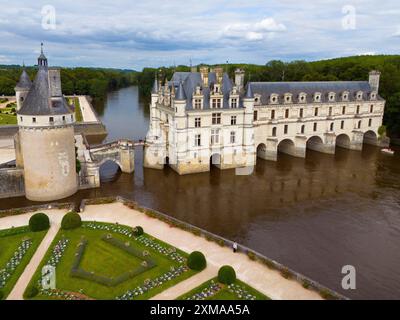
pixel 71 220
pixel 226 275
pixel 39 222
pixel 196 261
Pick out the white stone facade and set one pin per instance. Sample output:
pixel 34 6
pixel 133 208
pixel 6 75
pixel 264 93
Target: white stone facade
pixel 199 119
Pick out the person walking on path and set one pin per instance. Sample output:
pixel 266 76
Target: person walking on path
pixel 234 247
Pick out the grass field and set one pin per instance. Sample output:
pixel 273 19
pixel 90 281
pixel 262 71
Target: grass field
pixel 10 240
pixel 104 259
pixel 78 111
pixel 7 118
pixel 224 293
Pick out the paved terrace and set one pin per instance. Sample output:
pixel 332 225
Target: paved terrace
pixel 268 281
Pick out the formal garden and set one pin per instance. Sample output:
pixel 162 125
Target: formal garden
pixel 224 287
pixel 8 115
pixel 78 112
pixel 94 260
pixel 17 246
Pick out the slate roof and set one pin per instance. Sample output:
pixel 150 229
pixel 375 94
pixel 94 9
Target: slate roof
pixel 24 81
pixel 39 102
pixel 266 89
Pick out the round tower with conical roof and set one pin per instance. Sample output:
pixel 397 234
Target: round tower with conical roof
pixel 22 88
pixel 46 141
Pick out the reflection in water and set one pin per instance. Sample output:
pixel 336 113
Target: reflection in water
pixel 314 215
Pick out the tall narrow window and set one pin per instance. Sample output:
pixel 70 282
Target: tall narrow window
pixel 342 124
pixel 197 103
pixel 343 110
pixel 371 108
pixel 272 114
pixel 359 125
pixel 255 115
pixel 315 126
pixel 274 131
pixel 285 130
pixel 233 137
pixel 358 110
pixel 197 140
pixel 301 113
pixel 287 113
pixel 331 128
pixel 369 122
pixel 316 112
pixel 330 111
pixel 303 127
pixel 234 103
pixel 233 120
pixel 197 122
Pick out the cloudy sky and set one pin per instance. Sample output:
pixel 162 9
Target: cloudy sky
pixel 133 34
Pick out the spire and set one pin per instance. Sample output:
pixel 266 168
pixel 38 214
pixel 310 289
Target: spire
pixel 42 60
pixel 24 82
pixel 249 92
pixel 155 86
pixel 180 94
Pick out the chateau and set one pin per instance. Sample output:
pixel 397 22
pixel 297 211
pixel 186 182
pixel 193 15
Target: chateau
pixel 204 118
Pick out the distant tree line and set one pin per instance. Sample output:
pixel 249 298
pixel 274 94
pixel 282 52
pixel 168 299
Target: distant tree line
pixel 82 81
pixel 349 68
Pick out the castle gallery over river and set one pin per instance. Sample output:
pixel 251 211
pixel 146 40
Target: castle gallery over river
pixel 197 119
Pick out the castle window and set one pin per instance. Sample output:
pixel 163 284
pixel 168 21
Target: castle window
pixel 197 122
pixel 22 99
pixel 197 103
pixel 369 122
pixel 233 120
pixel 344 110
pixel 331 97
pixel 358 110
pixel 272 114
pixel 315 126
pixel 51 119
pixel 359 125
pixel 303 127
pixel 214 136
pixel 34 120
pixel 287 113
pixel 63 118
pixel 285 130
pixel 274 131
pixel 216 103
pixel 330 111
pixel 216 118
pixel 331 128
pixel 371 108
pixel 316 112
pixel 234 103
pixel 301 113
pixel 255 115
pixel 197 140
pixel 342 125
pixel 317 97
pixel 233 137
pixel 345 96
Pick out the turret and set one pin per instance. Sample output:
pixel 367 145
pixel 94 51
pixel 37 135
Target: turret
pixel 22 88
pixel 239 79
pixel 180 100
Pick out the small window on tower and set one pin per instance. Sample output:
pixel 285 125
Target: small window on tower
pixel 34 120
pixel 51 119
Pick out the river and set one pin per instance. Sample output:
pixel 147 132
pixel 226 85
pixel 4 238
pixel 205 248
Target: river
pixel 314 215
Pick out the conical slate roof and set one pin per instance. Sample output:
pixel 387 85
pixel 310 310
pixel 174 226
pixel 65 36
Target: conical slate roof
pixel 249 92
pixel 24 82
pixel 155 86
pixel 180 94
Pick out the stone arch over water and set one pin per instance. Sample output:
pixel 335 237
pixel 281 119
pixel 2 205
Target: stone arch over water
pixel 343 141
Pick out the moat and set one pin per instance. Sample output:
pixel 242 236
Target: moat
pixel 314 215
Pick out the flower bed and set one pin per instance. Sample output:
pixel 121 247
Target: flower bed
pixel 15 260
pixel 210 290
pixel 150 284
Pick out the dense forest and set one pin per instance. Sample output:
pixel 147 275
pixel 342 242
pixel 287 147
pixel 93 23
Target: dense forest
pixel 97 82
pixel 349 68
pixel 87 81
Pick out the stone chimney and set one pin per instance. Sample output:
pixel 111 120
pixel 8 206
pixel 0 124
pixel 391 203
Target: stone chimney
pixel 55 82
pixel 193 69
pixel 204 75
pixel 374 77
pixel 239 79
pixel 219 73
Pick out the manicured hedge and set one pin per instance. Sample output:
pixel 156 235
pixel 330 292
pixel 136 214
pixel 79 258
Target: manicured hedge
pixel 71 220
pixel 226 275
pixel 39 222
pixel 137 231
pixel 31 292
pixel 196 261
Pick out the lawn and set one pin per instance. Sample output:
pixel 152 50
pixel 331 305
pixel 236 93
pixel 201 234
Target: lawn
pixel 10 241
pixel 213 290
pixel 6 118
pixel 105 261
pixel 78 111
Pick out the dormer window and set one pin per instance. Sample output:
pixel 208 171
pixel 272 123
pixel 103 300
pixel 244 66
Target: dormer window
pixel 345 96
pixel 216 103
pixel 257 99
pixel 234 103
pixel 359 95
pixel 288 98
pixel 302 97
pixel 332 96
pixel 198 103
pixel 274 98
pixel 317 97
pixel 373 96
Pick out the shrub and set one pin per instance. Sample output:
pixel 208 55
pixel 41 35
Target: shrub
pixel 138 231
pixel 382 131
pixel 306 284
pixel 286 273
pixel 196 261
pixel 226 275
pixel 251 255
pixel 71 220
pixel 31 292
pixel 39 222
pixel 78 166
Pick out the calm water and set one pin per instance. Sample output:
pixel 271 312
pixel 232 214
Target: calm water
pixel 314 215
